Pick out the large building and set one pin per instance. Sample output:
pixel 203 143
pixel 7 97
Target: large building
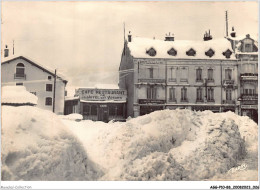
pixel 37 80
pixel 170 74
pixel 246 50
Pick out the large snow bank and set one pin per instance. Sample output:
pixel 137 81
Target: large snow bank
pixel 17 95
pixel 37 146
pixel 164 145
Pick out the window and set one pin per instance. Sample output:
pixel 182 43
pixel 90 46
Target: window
pixel 199 74
pixel 210 52
pixel 210 74
pixel 151 92
pixel 49 87
pixel 93 110
pixel 172 95
pixel 19 84
pixel 86 109
pixel 151 73
pixel 20 70
pixel 249 92
pixel 210 95
pixel 49 77
pixel 151 52
pixel 191 52
pixel 112 110
pixel 172 52
pixel 120 109
pixel 172 74
pixel 228 74
pixel 184 74
pixel 199 94
pixel 227 53
pixel 248 48
pixel 184 94
pixel 228 94
pixel 48 101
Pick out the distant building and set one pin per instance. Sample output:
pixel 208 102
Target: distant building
pixel 170 74
pixel 246 50
pixel 38 80
pixel 98 104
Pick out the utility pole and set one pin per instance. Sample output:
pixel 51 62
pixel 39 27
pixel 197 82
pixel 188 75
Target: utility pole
pixel 54 92
pixel 13 47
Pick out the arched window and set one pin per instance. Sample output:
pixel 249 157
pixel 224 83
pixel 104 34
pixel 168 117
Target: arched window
pixel 48 101
pixel 20 70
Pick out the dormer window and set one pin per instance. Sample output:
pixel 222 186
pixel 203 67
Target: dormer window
pixel 151 52
pixel 210 52
pixel 191 52
pixel 227 53
pixel 172 52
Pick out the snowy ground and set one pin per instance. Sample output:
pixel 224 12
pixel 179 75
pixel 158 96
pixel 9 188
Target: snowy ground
pixel 164 145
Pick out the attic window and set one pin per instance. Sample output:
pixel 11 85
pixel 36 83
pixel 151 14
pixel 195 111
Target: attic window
pixel 227 53
pixel 151 52
pixel 172 52
pixel 210 52
pixel 191 52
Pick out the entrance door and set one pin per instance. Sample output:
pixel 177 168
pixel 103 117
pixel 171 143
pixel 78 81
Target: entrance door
pixel 103 113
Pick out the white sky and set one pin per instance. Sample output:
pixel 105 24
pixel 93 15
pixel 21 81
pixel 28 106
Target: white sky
pixel 84 40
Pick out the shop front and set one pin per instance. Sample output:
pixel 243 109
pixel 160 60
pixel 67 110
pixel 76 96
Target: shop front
pixel 102 104
pixel 148 106
pixel 250 111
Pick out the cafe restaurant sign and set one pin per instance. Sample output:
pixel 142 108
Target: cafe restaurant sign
pixel 90 94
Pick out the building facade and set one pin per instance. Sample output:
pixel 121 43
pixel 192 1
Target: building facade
pixel 246 49
pixel 98 104
pixel 170 74
pixel 37 80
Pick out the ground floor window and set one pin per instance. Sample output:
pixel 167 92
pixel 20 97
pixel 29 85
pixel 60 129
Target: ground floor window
pixel 48 101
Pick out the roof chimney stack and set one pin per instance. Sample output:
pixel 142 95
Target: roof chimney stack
pixel 129 37
pixel 169 37
pixel 233 33
pixel 6 51
pixel 207 36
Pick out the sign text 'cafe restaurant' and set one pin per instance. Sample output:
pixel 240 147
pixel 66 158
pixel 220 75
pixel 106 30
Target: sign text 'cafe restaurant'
pixel 98 104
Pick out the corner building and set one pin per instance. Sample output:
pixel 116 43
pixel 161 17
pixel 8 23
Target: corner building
pixel 170 74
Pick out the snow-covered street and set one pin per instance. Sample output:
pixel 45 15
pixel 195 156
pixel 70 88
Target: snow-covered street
pixel 164 145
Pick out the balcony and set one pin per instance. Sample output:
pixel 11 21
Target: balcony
pixel 229 102
pixel 19 76
pixel 152 80
pixel 228 83
pixel 249 97
pixel 249 76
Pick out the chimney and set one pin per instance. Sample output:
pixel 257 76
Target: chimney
pixel 169 37
pixel 129 37
pixel 233 33
pixel 6 51
pixel 207 36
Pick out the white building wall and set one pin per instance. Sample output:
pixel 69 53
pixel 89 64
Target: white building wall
pixel 35 81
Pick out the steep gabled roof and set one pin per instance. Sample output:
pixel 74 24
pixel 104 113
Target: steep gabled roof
pixel 138 47
pixel 47 70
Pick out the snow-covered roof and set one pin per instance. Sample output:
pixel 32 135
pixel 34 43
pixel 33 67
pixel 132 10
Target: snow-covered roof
pixel 46 69
pixel 17 95
pixel 72 98
pixel 138 47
